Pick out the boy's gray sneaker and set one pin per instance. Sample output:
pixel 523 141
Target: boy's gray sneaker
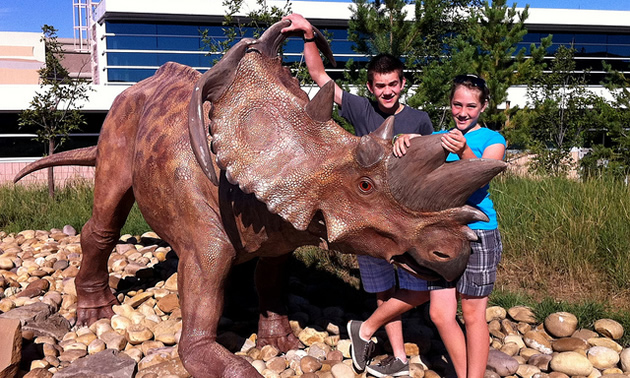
pixel 360 350
pixel 390 366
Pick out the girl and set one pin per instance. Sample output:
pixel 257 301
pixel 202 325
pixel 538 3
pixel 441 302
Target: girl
pixel 469 354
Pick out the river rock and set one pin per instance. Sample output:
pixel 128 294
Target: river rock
pixel 310 364
pixel 170 368
pixel 537 340
pixel 310 336
pixel 527 371
pixel 518 340
pixel 168 303
pixel 268 352
pixel 541 361
pixel 107 363
pixel 585 334
pixel 609 328
pixel 605 342
pixel 501 363
pixel 10 347
pixel 522 314
pixel 511 349
pixel 569 344
pixel 276 364
pixel 602 357
pixel 571 364
pixel 495 313
pixel 38 373
pixel 6 263
pixel 624 359
pixel 137 334
pixel 113 340
pixel 561 324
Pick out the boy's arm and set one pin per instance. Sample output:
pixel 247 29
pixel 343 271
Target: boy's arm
pixel 313 61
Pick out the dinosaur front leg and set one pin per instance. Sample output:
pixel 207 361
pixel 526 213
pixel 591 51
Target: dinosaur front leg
pixel 273 323
pixel 201 283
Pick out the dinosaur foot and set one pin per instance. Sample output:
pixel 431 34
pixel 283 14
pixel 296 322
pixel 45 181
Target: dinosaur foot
pixel 90 313
pixel 275 330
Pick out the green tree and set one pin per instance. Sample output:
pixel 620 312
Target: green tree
pixel 492 44
pixel 615 158
pixel 488 45
pixel 424 39
pixel 560 108
pixel 55 110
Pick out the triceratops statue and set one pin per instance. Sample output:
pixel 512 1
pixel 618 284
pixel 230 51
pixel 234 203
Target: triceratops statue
pixel 265 172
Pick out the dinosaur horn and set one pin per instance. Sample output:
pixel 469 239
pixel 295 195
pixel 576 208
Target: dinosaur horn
pixel 321 106
pixel 422 181
pixel 210 87
pixel 453 183
pixel 269 43
pixel 385 130
pixel 369 151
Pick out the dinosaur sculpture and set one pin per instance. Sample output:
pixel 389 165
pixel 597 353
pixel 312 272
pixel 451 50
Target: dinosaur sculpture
pixel 237 163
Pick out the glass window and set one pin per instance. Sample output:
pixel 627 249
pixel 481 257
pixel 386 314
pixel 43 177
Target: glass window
pixel 131 43
pixel 590 50
pixel 179 43
pixel 21 147
pixel 128 74
pixel 193 60
pixel 562 38
pixel 619 51
pixel 187 30
pixel 619 39
pixel 531 38
pixel 132 59
pixel 590 38
pixel 130 28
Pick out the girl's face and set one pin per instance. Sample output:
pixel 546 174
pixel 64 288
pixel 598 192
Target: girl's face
pixel 466 107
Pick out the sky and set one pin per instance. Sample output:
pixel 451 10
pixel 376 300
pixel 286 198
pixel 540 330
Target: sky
pixel 30 15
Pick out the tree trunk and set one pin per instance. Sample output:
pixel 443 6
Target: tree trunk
pixel 51 173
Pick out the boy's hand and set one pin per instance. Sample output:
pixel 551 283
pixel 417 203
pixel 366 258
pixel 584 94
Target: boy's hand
pixel 298 23
pixel 401 143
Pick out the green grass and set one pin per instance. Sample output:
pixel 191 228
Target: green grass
pixel 28 208
pixel 586 311
pixel 573 228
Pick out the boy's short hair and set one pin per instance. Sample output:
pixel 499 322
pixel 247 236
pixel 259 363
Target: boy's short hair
pixel 384 63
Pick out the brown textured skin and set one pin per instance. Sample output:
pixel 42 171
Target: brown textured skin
pixel 292 180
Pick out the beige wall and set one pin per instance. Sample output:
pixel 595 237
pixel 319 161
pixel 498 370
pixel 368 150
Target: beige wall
pixel 21 55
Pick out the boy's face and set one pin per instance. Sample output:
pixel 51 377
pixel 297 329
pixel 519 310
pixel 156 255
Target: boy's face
pixel 386 87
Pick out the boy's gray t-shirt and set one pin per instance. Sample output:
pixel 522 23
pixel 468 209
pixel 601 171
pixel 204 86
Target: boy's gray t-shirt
pixel 366 117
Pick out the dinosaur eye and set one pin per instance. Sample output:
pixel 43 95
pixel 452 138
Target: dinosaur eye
pixel 365 185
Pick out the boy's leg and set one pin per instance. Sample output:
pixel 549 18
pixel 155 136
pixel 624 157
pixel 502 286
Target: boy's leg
pixel 378 277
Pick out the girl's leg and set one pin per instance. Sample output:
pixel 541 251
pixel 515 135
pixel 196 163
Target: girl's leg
pixel 443 311
pixel 477 336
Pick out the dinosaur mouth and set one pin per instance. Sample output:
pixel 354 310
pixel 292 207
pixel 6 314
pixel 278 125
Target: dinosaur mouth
pixel 407 262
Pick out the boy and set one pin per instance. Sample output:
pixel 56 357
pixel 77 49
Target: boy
pixel 385 82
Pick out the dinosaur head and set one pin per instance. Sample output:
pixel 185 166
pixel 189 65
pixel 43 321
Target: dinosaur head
pixel 274 142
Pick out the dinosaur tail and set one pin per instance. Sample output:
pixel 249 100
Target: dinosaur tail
pixel 81 156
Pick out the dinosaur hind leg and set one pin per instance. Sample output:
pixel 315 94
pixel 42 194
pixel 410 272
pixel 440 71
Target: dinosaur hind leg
pixel 99 235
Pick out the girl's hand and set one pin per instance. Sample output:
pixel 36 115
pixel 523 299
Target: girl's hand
pixel 454 142
pixel 401 143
